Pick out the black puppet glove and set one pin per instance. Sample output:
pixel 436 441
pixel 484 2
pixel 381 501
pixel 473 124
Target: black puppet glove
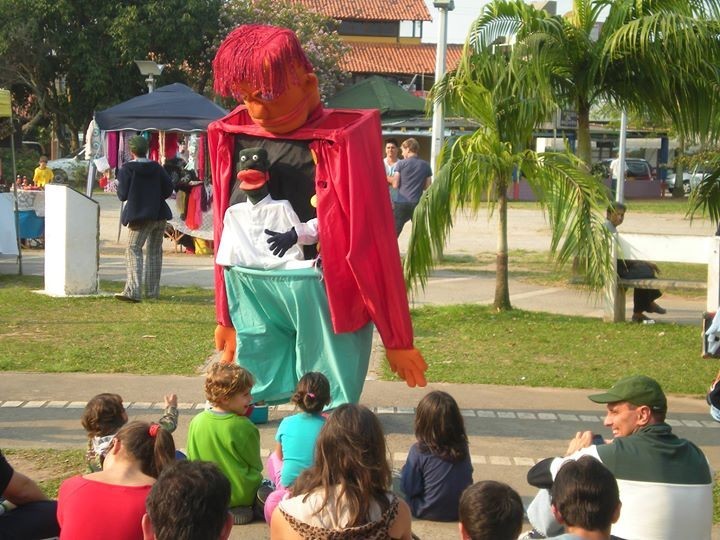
pixel 281 242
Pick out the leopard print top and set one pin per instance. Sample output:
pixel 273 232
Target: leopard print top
pixel 376 530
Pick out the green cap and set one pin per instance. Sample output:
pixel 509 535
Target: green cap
pixel 138 145
pixel 638 390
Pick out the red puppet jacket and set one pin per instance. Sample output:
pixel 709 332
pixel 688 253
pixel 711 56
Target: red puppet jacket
pixel 360 256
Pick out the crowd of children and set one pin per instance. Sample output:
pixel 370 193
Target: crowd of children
pixel 328 476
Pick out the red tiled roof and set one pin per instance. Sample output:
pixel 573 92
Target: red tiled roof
pixel 369 10
pixel 395 58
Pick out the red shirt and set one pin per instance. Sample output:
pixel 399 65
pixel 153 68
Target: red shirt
pixel 88 509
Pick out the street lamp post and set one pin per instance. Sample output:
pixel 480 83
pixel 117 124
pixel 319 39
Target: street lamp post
pixel 151 69
pixel 620 188
pixel 438 123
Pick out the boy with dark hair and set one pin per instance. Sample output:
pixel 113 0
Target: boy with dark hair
pixel 490 510
pixel 585 498
pixel 189 501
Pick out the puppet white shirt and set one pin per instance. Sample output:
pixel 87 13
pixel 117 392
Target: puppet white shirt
pixel 244 241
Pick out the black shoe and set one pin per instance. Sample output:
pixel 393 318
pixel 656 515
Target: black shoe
pixel 123 298
pixel 654 308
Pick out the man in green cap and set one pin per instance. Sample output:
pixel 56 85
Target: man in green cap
pixel 665 481
pixel 143 185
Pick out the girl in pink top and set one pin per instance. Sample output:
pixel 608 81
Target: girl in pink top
pixel 110 503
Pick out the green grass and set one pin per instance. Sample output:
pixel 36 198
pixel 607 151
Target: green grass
pixel 474 344
pixel 48 468
pixel 102 335
pixel 462 344
pixel 537 267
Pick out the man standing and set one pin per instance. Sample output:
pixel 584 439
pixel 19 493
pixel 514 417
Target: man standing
pixel 643 299
pixel 664 481
pixel 390 161
pixel 143 185
pixel 412 177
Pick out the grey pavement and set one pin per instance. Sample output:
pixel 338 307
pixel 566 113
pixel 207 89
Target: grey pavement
pixel 510 428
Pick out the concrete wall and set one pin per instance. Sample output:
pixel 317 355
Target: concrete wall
pixel 72 226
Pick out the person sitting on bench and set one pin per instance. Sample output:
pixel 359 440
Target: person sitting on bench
pixel 643 299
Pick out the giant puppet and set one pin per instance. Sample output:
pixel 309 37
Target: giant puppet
pixel 279 321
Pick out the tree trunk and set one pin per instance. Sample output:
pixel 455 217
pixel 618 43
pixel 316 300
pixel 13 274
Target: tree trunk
pixel 502 287
pixel 678 191
pixel 584 150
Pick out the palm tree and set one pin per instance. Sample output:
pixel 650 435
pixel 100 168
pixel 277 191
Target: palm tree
pixel 508 97
pixel 653 56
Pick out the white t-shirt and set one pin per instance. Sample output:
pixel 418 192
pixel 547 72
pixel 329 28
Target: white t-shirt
pixel 244 241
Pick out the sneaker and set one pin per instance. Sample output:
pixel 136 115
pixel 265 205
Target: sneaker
pixel 642 319
pixel 123 298
pixel 242 515
pixel 654 308
pixel 263 491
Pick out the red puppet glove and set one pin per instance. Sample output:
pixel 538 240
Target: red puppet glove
pixel 226 341
pixel 409 365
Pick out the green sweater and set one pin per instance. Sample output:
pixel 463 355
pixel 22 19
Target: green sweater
pixel 232 442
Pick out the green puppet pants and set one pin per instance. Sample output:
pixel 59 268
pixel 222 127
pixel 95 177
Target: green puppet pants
pixel 284 330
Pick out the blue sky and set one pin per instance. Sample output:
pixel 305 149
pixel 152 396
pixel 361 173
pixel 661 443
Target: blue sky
pixel 459 20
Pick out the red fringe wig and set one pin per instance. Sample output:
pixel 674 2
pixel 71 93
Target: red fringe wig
pixel 259 56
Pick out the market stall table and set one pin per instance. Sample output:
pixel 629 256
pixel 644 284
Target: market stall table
pixel 31 215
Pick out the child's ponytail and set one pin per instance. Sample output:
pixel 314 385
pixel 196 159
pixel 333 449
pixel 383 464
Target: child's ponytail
pixel 312 393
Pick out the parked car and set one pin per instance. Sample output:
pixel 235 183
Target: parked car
pixel 670 181
pixel 635 169
pixel 691 179
pixel 69 168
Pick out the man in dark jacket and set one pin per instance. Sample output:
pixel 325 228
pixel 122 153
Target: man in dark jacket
pixel 143 185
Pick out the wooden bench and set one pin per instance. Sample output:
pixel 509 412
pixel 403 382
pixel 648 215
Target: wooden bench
pixel 663 248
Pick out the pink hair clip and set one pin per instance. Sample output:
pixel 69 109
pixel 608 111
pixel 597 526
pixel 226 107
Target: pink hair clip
pixel 153 431
pixel 311 394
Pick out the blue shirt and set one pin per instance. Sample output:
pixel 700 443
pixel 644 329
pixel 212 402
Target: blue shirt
pixel 413 173
pixel 432 485
pixel 297 435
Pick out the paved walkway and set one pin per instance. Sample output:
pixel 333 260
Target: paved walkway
pixel 510 428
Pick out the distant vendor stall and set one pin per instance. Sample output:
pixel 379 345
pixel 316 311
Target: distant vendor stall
pixel 31 216
pixel 175 119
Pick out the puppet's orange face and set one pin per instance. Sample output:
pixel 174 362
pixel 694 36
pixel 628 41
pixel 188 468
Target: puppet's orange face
pixel 288 111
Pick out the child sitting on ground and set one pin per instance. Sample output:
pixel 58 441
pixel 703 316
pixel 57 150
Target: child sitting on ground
pixel 438 466
pixel 296 436
pixel 105 414
pixel 490 510
pixel 585 499
pixel 224 435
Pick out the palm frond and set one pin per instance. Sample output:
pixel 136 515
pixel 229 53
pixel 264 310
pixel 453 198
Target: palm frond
pixel 705 198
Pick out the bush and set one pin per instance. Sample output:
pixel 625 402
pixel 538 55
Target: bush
pixel 25 163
